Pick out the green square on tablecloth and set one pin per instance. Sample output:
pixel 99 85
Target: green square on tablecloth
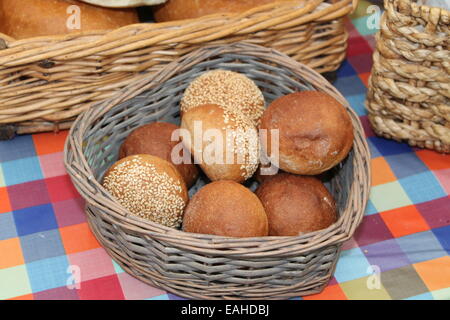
pixel 359 289
pixel 14 282
pixel 403 283
pixel 389 196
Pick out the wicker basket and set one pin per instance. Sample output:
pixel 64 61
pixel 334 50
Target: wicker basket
pixel 46 82
pixel 205 266
pixel 409 88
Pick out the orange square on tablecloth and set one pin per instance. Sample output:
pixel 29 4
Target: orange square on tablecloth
pixel 5 205
pixel 10 253
pixel 78 238
pixel 24 297
pixel 332 292
pixel 434 273
pixel 365 78
pixel 50 142
pixel 381 172
pixel 404 221
pixel 434 160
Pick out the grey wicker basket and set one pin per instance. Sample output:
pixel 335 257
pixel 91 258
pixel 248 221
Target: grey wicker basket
pixel 205 266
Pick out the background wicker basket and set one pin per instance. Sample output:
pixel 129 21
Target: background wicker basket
pixel 46 82
pixel 409 88
pixel 204 266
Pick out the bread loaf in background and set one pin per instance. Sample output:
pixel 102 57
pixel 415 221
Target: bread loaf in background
pixel 189 9
pixel 21 19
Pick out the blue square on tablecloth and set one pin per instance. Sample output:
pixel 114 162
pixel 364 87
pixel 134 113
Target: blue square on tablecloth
pixel 389 147
pixel 423 296
pixel 386 255
pixel 7 226
pixel 421 246
pixel 406 164
pixel 350 86
pixel 352 265
pixel 42 245
pixel 374 153
pixel 22 170
pixel 35 219
pixel 346 70
pixel 160 297
pixel 357 103
pixel 443 235
pixel 422 187
pixel 48 273
pixel 370 209
pixel 17 148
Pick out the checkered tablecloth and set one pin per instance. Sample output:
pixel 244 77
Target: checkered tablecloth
pixel 400 251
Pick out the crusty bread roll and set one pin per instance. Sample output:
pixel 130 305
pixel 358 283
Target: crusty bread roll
pixel 225 208
pixel 315 132
pixel 149 187
pixel 229 89
pixel 296 204
pixel 124 3
pixel 22 19
pixel 156 139
pixel 188 9
pixel 223 143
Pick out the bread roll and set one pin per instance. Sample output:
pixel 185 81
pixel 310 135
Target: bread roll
pixel 156 139
pixel 149 187
pixel 22 19
pixel 315 132
pixel 229 89
pixel 225 208
pixel 223 143
pixel 296 204
pixel 188 9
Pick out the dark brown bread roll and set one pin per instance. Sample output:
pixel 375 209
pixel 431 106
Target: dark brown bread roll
pixel 22 19
pixel 225 208
pixel 155 139
pixel 315 131
pixel 149 187
pixel 296 204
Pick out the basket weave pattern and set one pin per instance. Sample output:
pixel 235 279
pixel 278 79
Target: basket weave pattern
pixel 409 88
pixel 207 266
pixel 46 82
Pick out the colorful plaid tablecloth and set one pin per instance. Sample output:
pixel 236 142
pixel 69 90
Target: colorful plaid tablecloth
pixel 400 251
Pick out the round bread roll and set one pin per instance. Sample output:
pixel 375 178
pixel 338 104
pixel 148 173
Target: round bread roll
pixel 124 3
pixel 315 132
pixel 188 9
pixel 228 89
pixel 149 187
pixel 156 139
pixel 223 143
pixel 22 19
pixel 296 204
pixel 225 208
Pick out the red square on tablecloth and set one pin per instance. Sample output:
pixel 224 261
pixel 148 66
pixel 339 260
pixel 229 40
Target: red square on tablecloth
pixel 106 288
pixel 61 188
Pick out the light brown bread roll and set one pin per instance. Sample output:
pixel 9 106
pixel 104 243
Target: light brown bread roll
pixel 315 132
pixel 188 9
pixel 231 90
pixel 149 187
pixel 296 204
pixel 225 144
pixel 23 19
pixel 156 139
pixel 225 208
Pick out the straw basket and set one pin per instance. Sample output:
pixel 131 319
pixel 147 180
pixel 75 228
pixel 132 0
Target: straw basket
pixel 205 266
pixel 409 88
pixel 46 82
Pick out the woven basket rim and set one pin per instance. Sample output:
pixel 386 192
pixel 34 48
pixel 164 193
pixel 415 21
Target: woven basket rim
pixel 413 4
pixel 206 240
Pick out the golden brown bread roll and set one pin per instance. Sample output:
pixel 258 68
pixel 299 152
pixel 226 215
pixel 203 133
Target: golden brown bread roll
pixel 156 139
pixel 315 132
pixel 225 208
pixel 296 204
pixel 149 187
pixel 188 9
pixel 225 144
pixel 231 90
pixel 22 19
